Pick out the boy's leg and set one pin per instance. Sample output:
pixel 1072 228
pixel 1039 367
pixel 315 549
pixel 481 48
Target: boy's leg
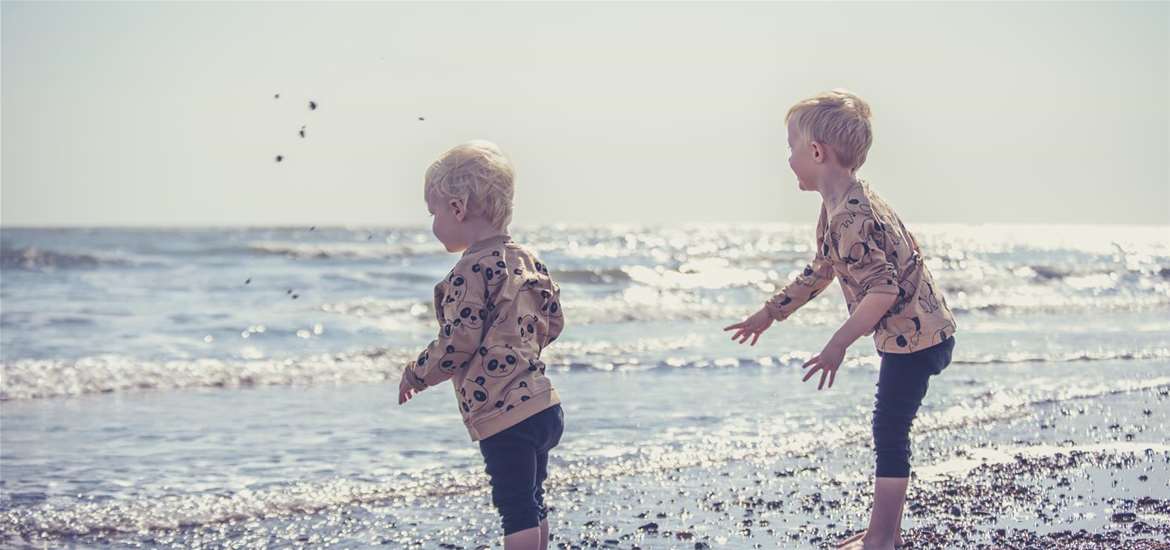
pixel 902 383
pixel 885 518
pixel 544 534
pixel 510 460
pixel 541 475
pixel 555 425
pixel 905 380
pixel 528 539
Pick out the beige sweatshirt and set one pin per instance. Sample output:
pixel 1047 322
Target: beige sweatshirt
pixel 863 243
pixel 497 310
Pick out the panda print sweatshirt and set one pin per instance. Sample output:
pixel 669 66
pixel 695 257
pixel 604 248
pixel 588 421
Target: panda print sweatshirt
pixel 497 309
pixel 863 244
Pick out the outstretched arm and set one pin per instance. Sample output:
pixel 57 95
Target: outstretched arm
pixel 876 280
pixel 815 277
pixel 868 313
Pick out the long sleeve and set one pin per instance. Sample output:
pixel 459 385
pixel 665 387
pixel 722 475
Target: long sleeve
pixel 815 277
pixel 459 336
pixel 808 284
pixel 556 318
pixel 867 269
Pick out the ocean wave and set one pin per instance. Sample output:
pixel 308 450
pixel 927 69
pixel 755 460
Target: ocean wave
pixel 1067 357
pixel 601 358
pixel 37 259
pixel 340 251
pixel 383 309
pixel 591 276
pixel 35 378
pixel 646 304
pixel 1007 305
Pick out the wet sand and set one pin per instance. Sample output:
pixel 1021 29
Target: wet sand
pixel 1087 472
pixel 1075 474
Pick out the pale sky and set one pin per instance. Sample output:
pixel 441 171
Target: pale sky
pixel 163 113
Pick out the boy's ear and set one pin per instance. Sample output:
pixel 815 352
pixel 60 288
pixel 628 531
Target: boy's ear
pixel 818 152
pixel 459 208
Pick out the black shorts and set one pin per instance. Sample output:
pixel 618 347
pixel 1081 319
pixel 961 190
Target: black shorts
pixel 517 463
pixel 902 383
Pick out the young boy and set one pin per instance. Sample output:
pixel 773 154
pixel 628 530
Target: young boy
pixel 888 289
pixel 497 309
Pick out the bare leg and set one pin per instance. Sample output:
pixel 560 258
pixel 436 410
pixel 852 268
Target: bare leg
pixel 901 511
pixel 528 539
pixel 544 534
pixel 885 520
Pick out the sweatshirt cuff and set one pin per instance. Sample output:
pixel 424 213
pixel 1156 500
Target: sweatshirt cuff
pixel 413 379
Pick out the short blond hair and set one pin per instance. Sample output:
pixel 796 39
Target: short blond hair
pixel 838 119
pixel 478 173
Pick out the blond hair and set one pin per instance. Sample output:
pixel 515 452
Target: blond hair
pixel 478 173
pixel 838 119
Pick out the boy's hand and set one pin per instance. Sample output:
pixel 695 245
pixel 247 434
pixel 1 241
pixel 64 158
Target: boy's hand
pixel 827 361
pixel 752 327
pixel 405 390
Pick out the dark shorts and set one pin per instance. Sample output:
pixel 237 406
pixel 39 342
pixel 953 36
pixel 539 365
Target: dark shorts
pixel 517 463
pixel 902 383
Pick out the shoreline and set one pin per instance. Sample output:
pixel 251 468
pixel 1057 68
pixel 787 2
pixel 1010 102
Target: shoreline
pixel 1065 473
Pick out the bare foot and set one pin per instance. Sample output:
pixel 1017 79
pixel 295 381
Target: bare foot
pixel 848 544
pixel 850 540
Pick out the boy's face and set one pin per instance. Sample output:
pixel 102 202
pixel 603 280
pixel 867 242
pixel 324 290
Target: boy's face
pixel 447 222
pixel 802 158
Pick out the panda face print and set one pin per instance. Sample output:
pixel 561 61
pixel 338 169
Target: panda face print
pixel 462 308
pixel 472 395
pixel 515 396
pixel 468 315
pixel 545 301
pixel 549 304
pixel 463 315
pixel 527 325
pixel 456 289
pixel 491 268
pixel 454 359
pixel 499 361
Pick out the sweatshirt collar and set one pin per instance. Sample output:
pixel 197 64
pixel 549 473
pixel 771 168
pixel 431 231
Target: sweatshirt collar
pixel 489 242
